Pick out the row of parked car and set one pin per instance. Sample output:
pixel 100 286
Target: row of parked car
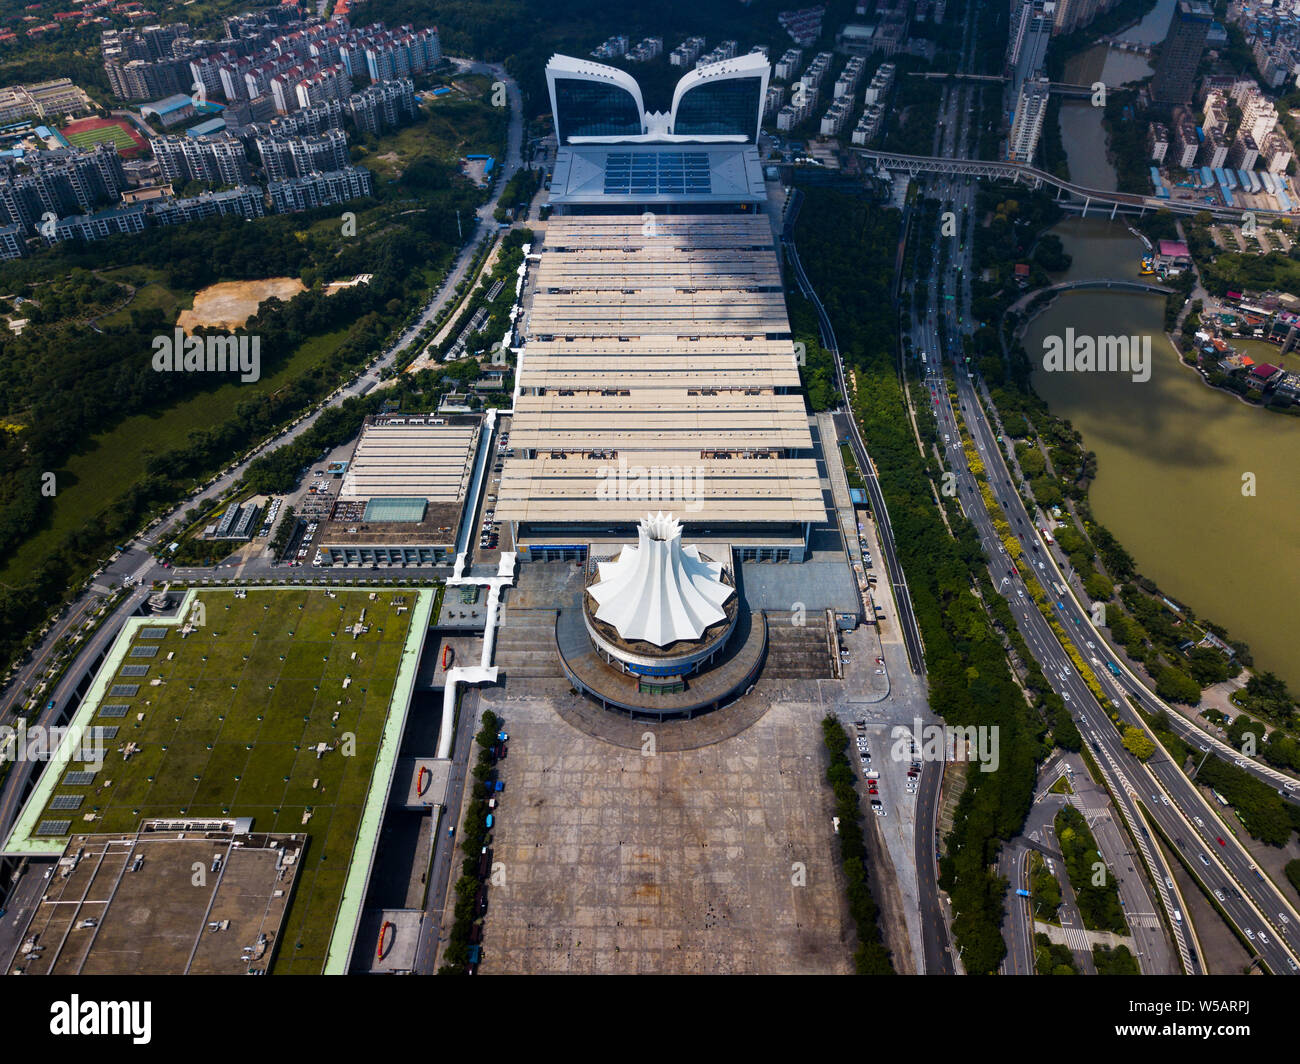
pixel 873 778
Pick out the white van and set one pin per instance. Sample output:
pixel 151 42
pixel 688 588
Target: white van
pixel 873 775
pixel 1178 917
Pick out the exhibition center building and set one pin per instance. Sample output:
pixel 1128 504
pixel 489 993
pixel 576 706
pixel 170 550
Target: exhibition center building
pixel 656 366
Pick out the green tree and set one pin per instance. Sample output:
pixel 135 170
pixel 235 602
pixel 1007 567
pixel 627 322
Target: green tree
pixel 1137 743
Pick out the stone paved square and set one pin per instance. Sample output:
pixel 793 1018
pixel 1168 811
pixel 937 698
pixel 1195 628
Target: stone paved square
pixel 682 862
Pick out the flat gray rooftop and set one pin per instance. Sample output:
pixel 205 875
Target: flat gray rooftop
pixel 819 585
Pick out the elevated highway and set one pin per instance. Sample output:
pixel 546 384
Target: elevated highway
pixel 1059 88
pixel 1022 173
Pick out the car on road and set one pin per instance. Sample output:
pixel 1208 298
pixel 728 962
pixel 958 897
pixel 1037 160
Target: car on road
pixel 1204 860
pixel 1220 842
pixel 1219 894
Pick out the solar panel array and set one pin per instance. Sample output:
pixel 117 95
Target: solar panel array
pixel 107 733
pixel 152 633
pixel 124 690
pixel 67 802
pixel 135 670
pixel 53 827
pixel 78 778
pixel 113 711
pixel 143 652
pixel 657 173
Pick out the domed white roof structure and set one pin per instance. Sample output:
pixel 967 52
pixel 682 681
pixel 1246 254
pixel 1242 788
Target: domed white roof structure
pixel 660 591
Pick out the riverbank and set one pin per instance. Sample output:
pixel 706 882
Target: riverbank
pixel 1170 464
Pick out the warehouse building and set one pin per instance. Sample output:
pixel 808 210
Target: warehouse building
pixel 402 499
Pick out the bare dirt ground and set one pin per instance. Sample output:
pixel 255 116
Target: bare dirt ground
pixel 230 304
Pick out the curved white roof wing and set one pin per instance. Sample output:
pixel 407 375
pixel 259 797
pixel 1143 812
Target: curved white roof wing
pixel 754 64
pixel 567 66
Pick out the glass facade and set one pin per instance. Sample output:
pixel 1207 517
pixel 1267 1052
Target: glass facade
pixel 594 109
pixel 728 106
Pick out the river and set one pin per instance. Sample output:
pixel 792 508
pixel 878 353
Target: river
pixel 1081 128
pixel 1171 452
pixel 1171 456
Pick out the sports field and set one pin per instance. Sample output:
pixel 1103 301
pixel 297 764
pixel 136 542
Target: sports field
pixel 230 726
pixel 88 132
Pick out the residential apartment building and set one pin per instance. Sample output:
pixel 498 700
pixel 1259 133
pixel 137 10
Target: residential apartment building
pixel 1185 143
pixel 384 105
pixel 1181 52
pixel 1027 125
pixel 1157 142
pixel 320 190
pixel 288 157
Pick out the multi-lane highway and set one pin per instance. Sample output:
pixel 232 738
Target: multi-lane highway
pixel 1251 901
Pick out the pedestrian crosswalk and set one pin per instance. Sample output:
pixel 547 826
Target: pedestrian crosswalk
pixel 1077 939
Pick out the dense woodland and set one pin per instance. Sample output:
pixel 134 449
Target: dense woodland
pixel 71 375
pixel 848 248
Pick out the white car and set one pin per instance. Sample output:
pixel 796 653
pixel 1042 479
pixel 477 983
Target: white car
pixel 1199 822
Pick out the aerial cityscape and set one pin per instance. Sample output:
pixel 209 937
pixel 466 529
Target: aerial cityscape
pixel 525 489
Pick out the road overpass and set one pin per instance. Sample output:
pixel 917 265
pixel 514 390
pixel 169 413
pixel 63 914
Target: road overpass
pixel 1022 173
pixel 1059 88
pixel 1103 282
